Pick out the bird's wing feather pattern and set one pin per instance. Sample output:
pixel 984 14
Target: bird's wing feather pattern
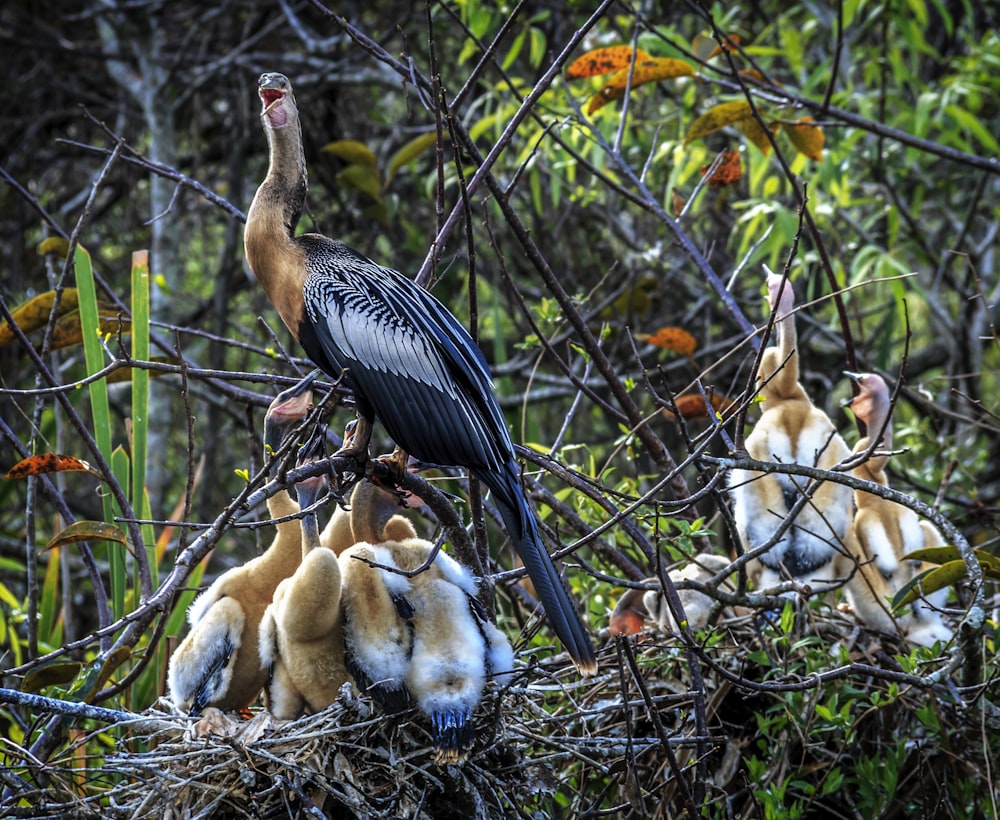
pixel 406 355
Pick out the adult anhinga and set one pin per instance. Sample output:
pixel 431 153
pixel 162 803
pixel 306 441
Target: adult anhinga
pixel 792 430
pixel 218 662
pixel 884 531
pixel 407 359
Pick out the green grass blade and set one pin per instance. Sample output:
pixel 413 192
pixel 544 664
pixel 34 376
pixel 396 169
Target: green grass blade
pixel 140 403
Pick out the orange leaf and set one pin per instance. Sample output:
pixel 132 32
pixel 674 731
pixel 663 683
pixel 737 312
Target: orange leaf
pixel 671 338
pixel 718 117
pixel 88 531
pixel 603 61
pixel 677 202
pixel 705 47
pixel 755 74
pixel 692 406
pixel 807 138
pixel 728 171
pixel 49 463
pixel 753 131
pixel 650 70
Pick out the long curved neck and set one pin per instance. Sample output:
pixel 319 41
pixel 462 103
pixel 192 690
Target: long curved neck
pixel 786 381
pixel 285 552
pixel 309 491
pixel 271 251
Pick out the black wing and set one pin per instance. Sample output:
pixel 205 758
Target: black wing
pixel 408 359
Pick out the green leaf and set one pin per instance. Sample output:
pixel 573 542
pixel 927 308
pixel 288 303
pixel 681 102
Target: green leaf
pixel 140 402
pixel 930 581
pixel 409 152
pixel 352 152
pixel 57 672
pixel 969 121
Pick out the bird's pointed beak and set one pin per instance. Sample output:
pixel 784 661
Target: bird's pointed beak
pixel 856 381
pixel 300 387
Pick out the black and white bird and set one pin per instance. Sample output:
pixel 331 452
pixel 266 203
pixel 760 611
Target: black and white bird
pixel 408 360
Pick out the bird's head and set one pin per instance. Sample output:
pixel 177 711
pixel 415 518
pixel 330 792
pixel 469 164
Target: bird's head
pixel 275 92
pixel 871 404
pixel 780 295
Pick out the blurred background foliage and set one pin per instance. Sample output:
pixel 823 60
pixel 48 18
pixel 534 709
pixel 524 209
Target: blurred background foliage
pixel 133 126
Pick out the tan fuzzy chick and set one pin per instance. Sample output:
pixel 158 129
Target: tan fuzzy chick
pixel 301 638
pixel 884 532
pixel 791 430
pixel 218 662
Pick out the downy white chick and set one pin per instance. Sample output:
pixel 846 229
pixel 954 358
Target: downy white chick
pixel 791 430
pixel 425 638
pixel 639 607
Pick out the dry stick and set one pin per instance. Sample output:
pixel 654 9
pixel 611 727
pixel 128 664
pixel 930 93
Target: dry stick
pixel 653 444
pixel 695 799
pixel 485 164
pixel 838 49
pixel 680 235
pixel 83 711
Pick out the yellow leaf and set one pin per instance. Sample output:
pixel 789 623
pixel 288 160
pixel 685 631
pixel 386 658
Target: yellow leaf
pixel 55 245
pixel 649 70
pixel 807 138
pixel 34 313
pixel 409 152
pixel 753 131
pixel 364 178
pixel 88 531
pixel 603 61
pixel 68 332
pixel 716 118
pixel 352 151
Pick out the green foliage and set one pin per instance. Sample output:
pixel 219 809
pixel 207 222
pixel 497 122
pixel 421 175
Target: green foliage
pixel 905 226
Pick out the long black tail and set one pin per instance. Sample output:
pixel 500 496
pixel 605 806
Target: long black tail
pixel 559 606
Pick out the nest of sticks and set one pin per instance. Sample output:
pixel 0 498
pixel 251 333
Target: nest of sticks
pixel 628 743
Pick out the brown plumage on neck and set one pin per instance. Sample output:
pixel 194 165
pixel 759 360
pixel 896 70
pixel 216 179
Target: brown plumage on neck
pixel 276 258
pixel 792 430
